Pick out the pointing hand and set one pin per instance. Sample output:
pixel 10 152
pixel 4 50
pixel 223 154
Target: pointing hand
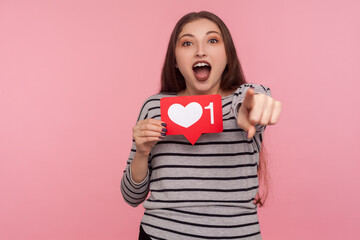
pixel 257 108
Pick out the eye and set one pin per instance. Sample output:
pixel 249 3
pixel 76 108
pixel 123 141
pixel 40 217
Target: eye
pixel 213 40
pixel 185 44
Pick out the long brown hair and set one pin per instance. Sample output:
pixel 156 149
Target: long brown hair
pixel 172 81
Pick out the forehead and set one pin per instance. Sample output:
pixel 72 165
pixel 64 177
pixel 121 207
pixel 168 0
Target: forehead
pixel 200 27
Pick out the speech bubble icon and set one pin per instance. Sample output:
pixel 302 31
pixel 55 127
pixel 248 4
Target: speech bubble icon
pixel 192 116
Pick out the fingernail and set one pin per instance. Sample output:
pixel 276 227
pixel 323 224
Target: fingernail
pixel 163 134
pixel 161 137
pixel 164 124
pixel 164 130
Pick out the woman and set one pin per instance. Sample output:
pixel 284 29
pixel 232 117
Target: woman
pixel 205 191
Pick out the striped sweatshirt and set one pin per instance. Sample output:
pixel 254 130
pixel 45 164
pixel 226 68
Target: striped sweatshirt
pixel 201 191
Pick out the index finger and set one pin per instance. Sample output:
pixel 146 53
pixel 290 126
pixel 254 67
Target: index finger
pixel 249 100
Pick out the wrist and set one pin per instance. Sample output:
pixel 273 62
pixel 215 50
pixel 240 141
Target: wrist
pixel 142 154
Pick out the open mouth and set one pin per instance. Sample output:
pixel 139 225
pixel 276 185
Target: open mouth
pixel 202 70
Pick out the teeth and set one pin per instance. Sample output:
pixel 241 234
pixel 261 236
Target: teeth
pixel 201 65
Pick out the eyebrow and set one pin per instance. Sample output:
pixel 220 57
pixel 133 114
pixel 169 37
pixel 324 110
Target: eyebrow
pixel 190 35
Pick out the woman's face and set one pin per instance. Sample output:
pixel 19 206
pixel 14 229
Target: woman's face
pixel 200 56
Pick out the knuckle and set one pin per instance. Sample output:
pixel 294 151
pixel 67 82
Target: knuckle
pixel 137 142
pixel 277 106
pixel 261 96
pixel 273 121
pixel 264 122
pixel 135 131
pixel 152 121
pixel 254 120
pixel 271 101
pixel 261 100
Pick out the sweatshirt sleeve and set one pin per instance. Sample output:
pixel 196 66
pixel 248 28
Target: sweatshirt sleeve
pixel 135 193
pixel 239 98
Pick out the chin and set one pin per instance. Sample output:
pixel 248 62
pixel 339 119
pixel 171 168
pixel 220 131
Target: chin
pixel 204 90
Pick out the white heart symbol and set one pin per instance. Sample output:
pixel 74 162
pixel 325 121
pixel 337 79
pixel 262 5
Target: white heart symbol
pixel 185 116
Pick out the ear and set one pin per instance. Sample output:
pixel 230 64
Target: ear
pixel 176 66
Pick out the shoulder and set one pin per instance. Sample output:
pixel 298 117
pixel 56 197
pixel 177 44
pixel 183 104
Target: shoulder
pixel 240 92
pixel 258 88
pixel 154 100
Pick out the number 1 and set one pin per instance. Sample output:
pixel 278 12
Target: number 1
pixel 211 107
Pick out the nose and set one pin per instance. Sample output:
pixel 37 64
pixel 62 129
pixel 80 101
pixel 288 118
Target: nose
pixel 200 50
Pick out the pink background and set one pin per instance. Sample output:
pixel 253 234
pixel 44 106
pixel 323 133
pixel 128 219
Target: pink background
pixel 73 75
